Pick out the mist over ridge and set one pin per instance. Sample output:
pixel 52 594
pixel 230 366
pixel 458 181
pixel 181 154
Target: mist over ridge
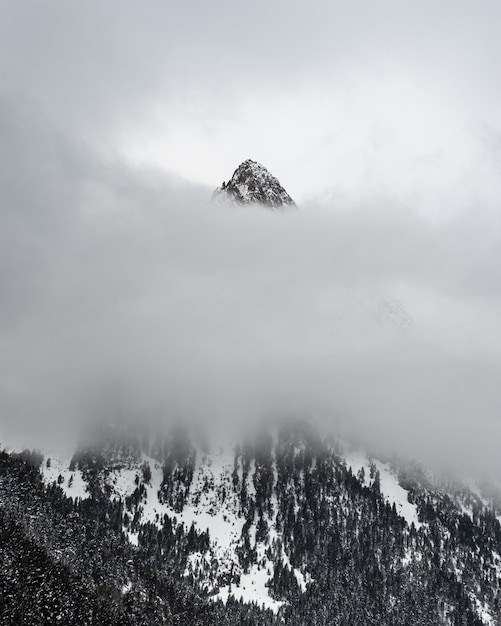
pixel 127 290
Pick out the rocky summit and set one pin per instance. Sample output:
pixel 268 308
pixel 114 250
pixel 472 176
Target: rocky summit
pixel 252 183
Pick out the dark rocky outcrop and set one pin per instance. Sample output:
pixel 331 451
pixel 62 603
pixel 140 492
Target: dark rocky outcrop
pixel 252 183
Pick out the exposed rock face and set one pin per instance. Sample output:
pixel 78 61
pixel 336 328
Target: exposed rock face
pixel 252 183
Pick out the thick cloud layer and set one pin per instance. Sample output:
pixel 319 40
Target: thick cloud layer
pixel 123 290
pixel 126 292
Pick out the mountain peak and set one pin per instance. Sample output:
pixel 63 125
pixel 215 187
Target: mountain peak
pixel 252 183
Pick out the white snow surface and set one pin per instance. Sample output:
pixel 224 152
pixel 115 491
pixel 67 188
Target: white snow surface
pixel 393 492
pixel 57 470
pixel 252 588
pixel 212 506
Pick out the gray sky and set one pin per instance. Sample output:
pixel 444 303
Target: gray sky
pixel 119 282
pixel 394 96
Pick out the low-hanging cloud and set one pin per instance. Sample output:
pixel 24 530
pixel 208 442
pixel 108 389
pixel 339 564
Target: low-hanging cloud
pixel 124 290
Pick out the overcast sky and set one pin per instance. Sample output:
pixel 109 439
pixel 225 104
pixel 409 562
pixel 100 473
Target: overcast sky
pixel 396 96
pixel 118 279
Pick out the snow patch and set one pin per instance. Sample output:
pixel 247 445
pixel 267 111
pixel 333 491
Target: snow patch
pixel 391 489
pixel 57 470
pixel 483 612
pixel 252 588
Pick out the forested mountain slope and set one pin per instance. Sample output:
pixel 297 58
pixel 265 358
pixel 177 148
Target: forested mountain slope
pixel 290 527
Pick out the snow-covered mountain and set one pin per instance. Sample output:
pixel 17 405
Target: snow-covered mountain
pixel 252 183
pixel 292 523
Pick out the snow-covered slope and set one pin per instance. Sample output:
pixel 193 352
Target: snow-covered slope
pixel 211 506
pixel 367 469
pixel 253 506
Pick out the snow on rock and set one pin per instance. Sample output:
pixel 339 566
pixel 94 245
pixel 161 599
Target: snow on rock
pixel 252 183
